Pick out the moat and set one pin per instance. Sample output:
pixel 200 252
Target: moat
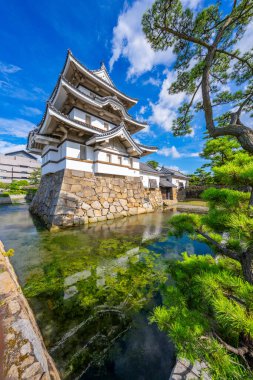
pixel 93 288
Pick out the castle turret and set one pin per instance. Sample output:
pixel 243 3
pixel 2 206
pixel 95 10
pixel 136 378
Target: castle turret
pixel 86 128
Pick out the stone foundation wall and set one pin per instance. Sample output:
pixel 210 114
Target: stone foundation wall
pixel 23 355
pixel 71 197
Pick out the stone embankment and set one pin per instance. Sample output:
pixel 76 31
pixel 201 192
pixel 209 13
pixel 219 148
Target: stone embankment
pixel 184 370
pixel 12 199
pixel 22 351
pixel 71 197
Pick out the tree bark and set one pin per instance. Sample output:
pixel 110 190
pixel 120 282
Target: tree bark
pixel 251 197
pixel 247 264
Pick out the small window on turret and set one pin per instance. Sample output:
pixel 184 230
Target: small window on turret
pixel 119 160
pixel 106 126
pixel 131 161
pixel 88 119
pixel 108 157
pixel 83 152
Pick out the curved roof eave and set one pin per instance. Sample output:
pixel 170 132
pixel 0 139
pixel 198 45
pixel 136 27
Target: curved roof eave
pixel 114 133
pixel 53 112
pixel 89 73
pixel 149 148
pixel 97 102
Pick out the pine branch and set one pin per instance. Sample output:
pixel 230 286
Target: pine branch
pixel 224 250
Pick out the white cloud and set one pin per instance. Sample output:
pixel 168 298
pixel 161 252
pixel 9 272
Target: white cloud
pixel 6 68
pixel 153 81
pixel 143 109
pixel 246 42
pixel 174 153
pixel 6 147
pixel 169 152
pixel 129 41
pixel 164 110
pixel 15 127
pixel 30 111
pixel 137 141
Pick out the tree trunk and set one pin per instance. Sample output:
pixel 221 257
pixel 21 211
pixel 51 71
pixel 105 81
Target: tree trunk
pixel 247 264
pixel 251 197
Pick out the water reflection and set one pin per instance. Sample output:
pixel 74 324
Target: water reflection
pixel 91 289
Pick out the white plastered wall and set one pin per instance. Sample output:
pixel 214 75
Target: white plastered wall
pixel 178 181
pixel 79 115
pixel 67 156
pixel 146 177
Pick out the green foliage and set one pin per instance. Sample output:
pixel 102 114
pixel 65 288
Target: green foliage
pixel 225 198
pixel 35 176
pixel 4 195
pixel 153 163
pixel 182 223
pixel 220 151
pixel 208 303
pixel 204 42
pixel 9 253
pixel 3 185
pixel 200 178
pixel 238 171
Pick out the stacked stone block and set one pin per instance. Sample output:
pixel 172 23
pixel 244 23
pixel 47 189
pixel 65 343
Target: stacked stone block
pixel 71 197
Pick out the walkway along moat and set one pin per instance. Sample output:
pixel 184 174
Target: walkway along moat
pixel 92 288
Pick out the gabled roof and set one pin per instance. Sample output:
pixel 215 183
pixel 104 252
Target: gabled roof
pixel 21 153
pixel 166 183
pixel 95 76
pixel 96 101
pixel 147 168
pixel 164 170
pixel 103 74
pixel 120 132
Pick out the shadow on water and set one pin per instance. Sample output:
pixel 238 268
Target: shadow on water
pixel 92 289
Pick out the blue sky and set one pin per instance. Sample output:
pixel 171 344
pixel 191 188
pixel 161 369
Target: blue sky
pixel 34 39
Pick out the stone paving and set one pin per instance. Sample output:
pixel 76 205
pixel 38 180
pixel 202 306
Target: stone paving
pixel 24 353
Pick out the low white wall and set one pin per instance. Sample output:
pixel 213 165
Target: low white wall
pixel 106 168
pixel 176 182
pixel 146 177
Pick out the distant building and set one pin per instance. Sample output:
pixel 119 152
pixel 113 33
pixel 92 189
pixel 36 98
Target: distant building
pixel 172 183
pixel 177 178
pixel 149 176
pixel 17 165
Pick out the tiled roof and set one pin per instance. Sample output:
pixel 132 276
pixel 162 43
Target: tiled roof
pixel 94 75
pixel 165 170
pixel 146 168
pixel 112 133
pixel 148 147
pixel 166 183
pixel 101 99
pixel 49 105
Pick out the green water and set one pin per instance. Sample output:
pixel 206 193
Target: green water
pixel 92 288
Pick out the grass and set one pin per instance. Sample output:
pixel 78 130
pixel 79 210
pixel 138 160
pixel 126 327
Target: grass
pixel 193 202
